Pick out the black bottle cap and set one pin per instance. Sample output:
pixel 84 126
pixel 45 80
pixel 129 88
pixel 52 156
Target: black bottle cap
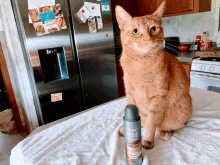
pixel 131 113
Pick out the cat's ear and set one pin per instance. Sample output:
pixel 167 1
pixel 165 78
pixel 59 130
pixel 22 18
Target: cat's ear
pixel 159 12
pixel 122 16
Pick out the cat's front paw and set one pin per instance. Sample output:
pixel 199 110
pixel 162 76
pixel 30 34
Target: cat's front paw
pixel 166 135
pixel 121 132
pixel 147 144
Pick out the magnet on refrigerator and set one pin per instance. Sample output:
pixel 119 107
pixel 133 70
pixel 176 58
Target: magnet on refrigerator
pixel 105 8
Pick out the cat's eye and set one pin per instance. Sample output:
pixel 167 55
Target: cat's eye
pixel 153 29
pixel 135 31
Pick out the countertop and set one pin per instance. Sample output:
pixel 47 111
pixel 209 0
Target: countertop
pixel 182 56
pixel 186 56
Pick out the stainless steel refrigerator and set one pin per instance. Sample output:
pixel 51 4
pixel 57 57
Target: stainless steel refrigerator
pixel 70 70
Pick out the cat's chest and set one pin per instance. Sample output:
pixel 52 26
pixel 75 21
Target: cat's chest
pixel 136 70
pixel 141 76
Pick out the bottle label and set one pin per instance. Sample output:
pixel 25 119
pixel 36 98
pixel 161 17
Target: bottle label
pixel 132 133
pixel 202 46
pixel 195 47
pixel 134 151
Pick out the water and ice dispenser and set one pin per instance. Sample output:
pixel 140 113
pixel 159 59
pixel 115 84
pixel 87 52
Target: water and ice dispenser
pixel 53 64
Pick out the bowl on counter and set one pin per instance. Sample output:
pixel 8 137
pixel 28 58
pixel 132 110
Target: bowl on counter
pixel 183 47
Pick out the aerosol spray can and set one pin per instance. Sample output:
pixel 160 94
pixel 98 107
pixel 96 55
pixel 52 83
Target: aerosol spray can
pixel 132 134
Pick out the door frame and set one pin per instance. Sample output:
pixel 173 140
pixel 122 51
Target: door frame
pixel 18 67
pixel 10 91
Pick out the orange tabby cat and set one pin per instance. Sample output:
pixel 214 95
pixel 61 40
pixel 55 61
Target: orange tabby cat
pixel 155 81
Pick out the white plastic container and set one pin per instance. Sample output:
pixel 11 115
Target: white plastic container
pixel 205 40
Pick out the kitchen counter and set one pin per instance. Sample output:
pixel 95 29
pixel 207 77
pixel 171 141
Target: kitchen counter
pixel 185 56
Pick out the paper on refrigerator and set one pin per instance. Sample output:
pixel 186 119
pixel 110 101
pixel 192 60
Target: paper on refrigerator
pixel 34 4
pixel 105 8
pixel 99 22
pixel 95 10
pixel 92 25
pixel 83 14
pixel 47 19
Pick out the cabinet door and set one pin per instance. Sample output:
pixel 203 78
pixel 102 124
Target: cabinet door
pixel 120 3
pixel 131 6
pixel 181 7
pixel 172 6
pixel 147 7
pixel 175 6
pixel 187 67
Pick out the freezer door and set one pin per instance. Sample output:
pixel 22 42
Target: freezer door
pixel 54 79
pixel 95 52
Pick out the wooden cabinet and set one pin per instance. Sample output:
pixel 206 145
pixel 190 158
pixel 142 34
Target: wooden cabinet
pixel 131 6
pixel 178 6
pixel 181 7
pixel 187 67
pixel 147 7
pixel 173 7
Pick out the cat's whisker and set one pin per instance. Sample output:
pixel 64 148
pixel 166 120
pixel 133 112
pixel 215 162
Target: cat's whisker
pixel 159 44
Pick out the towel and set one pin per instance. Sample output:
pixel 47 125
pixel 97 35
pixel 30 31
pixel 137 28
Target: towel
pixel 92 138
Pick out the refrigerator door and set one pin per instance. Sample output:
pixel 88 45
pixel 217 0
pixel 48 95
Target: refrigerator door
pixel 95 52
pixel 58 80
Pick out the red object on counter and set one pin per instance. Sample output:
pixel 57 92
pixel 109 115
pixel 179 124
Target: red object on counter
pixel 202 45
pixel 198 37
pixel 183 47
pixel 209 43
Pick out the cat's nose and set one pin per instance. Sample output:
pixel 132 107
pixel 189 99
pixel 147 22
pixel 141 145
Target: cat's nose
pixel 146 38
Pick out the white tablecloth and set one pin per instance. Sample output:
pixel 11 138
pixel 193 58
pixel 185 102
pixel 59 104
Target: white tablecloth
pixel 92 138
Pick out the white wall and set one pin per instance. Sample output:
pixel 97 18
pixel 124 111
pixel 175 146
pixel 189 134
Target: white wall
pixel 187 27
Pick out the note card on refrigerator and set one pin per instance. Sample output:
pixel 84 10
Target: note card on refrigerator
pixel 105 8
pixel 83 14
